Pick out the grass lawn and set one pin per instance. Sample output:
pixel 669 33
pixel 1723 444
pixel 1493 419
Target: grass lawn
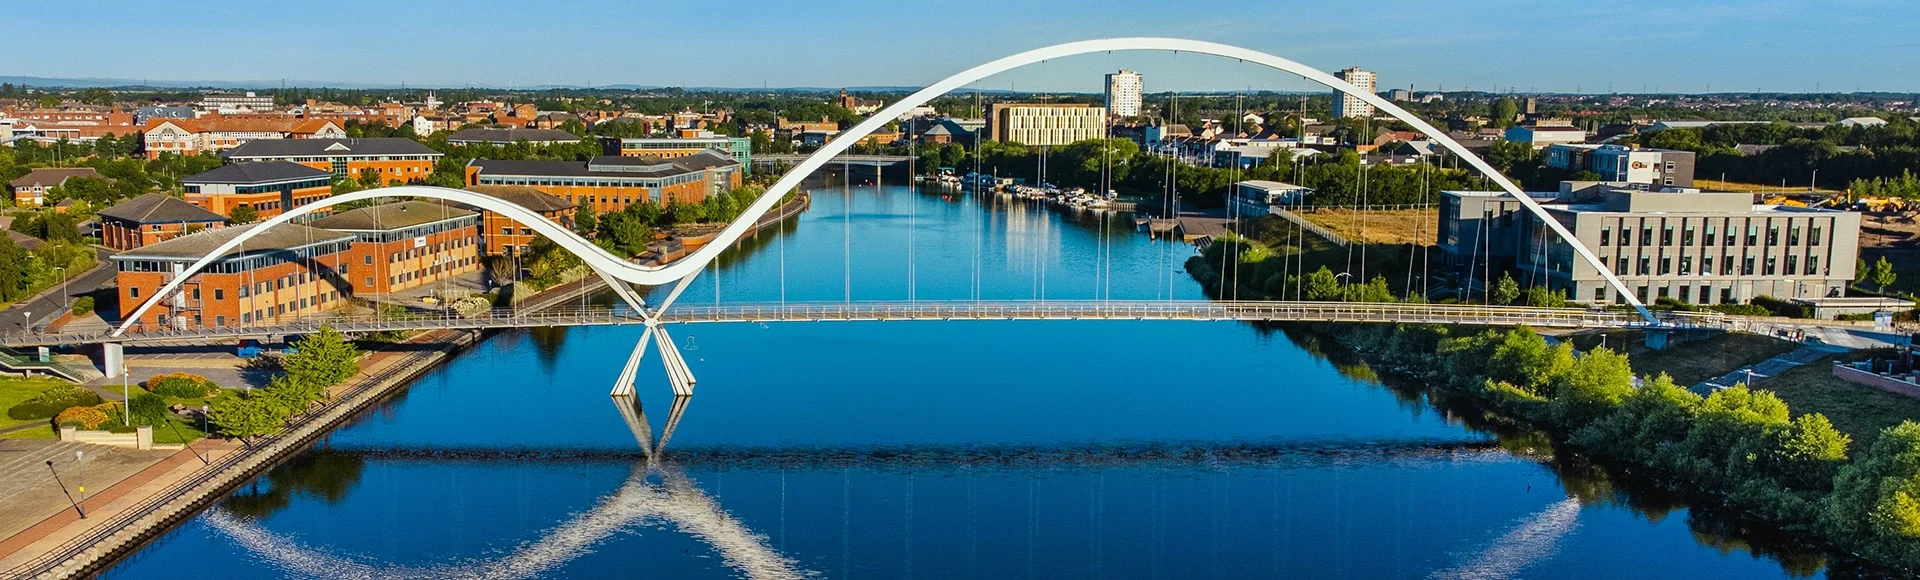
pixel 14 390
pixel 1857 410
pixel 1699 360
pixel 1407 226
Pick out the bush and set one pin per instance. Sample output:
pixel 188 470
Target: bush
pixel 1779 307
pixel 83 306
pixel 82 417
pixel 52 401
pixel 181 385
pixel 148 409
pixel 1739 309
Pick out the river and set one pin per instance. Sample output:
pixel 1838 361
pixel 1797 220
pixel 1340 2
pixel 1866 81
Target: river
pixel 993 449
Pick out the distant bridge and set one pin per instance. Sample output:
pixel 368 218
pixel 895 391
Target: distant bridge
pixel 1246 311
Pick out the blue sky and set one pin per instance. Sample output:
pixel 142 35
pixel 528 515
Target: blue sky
pixel 1531 45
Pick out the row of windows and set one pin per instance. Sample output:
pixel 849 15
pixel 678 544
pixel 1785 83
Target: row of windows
pixel 405 277
pixel 335 158
pixel 642 182
pixel 252 261
pixel 1731 236
pixel 1745 266
pixel 418 231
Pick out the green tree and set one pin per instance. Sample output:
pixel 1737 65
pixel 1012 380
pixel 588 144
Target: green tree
pixel 244 417
pixel 1506 290
pixel 243 214
pixel 1875 504
pixel 1504 112
pixel 1322 285
pixel 1593 385
pixel 323 358
pixel 584 220
pixel 1883 275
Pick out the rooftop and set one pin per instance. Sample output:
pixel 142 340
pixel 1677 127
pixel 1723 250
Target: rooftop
pixel 608 166
pixel 329 147
pixel 391 216
pixel 1265 184
pixel 160 208
pixel 54 176
pixel 197 245
pixel 504 136
pixel 526 197
pixel 259 172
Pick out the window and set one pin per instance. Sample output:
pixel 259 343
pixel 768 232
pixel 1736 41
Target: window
pixel 1773 236
pixel 1813 265
pixel 219 294
pixel 1793 236
pixel 1600 294
pixel 1706 294
pixel 246 318
pixel 1726 295
pixel 1771 265
pixel 1604 235
pixel 1793 266
pixel 1684 293
pixel 1666 236
pixel 1726 266
pixel 1746 266
pixel 1753 235
pixel 1814 239
pixel 1686 238
pixel 1622 268
pixel 1712 235
pixel 1646 235
pixel 369 283
pixel 1666 265
pixel 367 259
pixel 220 320
pixel 1646 265
pixel 196 293
pixel 1663 291
pixel 1686 266
pixel 1706 265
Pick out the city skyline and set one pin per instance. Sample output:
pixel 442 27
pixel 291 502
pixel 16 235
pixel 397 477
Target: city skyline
pixel 1686 47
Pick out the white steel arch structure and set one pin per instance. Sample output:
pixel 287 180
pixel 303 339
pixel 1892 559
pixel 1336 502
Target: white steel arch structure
pixel 619 272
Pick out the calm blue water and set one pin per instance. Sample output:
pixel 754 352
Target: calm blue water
pixel 925 450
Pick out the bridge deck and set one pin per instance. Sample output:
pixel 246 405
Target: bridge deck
pixel 1262 311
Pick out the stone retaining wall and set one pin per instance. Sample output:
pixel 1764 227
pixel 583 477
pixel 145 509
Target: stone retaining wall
pixel 1875 380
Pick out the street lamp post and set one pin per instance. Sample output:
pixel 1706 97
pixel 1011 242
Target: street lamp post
pixel 126 390
pixel 65 298
pixel 1813 184
pixel 80 465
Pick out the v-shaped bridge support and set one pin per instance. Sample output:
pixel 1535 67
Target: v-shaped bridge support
pixel 678 374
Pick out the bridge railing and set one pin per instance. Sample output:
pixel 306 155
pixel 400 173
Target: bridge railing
pixel 574 315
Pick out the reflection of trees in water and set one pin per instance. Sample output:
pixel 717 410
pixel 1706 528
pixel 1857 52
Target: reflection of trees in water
pixel 316 474
pixel 547 341
pixel 1591 483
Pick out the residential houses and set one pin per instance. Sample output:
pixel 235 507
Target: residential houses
pixel 30 190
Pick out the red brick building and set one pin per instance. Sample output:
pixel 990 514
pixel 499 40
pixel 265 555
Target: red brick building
pixel 396 159
pixel 611 183
pixel 269 187
pixel 502 236
pixel 151 219
pixel 399 246
pixel 30 190
pixel 289 271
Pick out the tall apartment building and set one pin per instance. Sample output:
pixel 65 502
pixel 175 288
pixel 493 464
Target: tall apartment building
pixel 1702 248
pixel 1345 105
pixel 1125 92
pixel 1046 124
pixel 236 102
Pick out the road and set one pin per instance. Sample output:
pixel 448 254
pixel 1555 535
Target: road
pixel 49 304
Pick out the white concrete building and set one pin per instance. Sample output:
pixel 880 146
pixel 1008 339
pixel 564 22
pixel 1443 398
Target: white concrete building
pixel 1345 105
pixel 1125 91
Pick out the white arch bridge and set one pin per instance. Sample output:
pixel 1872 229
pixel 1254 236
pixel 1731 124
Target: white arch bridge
pixel 624 276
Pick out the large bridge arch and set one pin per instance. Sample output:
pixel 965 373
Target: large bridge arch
pixel 608 265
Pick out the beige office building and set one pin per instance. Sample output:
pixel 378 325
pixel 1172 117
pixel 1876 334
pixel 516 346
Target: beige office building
pixel 1701 248
pixel 1044 124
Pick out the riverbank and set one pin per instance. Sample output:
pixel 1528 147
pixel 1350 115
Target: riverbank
pixel 67 546
pixel 1740 453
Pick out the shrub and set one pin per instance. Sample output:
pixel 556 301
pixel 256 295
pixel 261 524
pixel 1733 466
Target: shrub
pixel 148 409
pixel 52 401
pixel 181 385
pixel 83 306
pixel 1780 307
pixel 1739 309
pixel 82 417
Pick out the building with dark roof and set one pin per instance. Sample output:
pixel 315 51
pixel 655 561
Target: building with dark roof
pixel 611 183
pixel 503 236
pixel 408 244
pixel 268 187
pixel 510 136
pixel 153 218
pixel 289 271
pixel 30 190
pixel 394 159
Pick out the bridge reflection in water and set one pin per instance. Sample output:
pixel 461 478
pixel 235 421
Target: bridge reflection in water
pixel 658 492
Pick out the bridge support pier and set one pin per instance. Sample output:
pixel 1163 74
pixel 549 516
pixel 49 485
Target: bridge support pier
pixel 113 359
pixel 1657 338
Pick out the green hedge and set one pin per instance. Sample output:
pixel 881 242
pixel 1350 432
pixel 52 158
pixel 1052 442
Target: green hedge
pixel 52 401
pixel 181 385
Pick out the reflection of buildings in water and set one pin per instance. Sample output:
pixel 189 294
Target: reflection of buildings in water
pixel 654 495
pixel 1029 236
